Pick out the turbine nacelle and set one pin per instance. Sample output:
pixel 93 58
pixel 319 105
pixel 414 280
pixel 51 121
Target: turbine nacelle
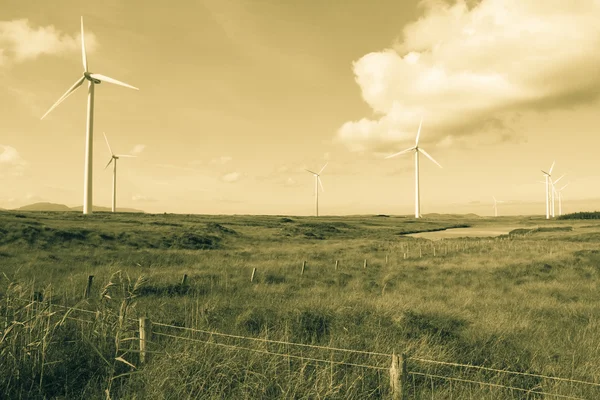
pixel 88 76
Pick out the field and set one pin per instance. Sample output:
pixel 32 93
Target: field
pixel 525 302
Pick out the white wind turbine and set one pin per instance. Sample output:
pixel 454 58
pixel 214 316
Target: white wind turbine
pixel 548 175
pixel 93 79
pixel 114 157
pixel 559 191
pixel 552 183
pixel 417 150
pixel 496 206
pixel 317 183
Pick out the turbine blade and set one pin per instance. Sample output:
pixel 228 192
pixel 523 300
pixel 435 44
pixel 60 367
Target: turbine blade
pixel 323 168
pixel 494 198
pixel 314 173
pixel 83 54
pixel 419 132
pixel 550 172
pixel 402 152
pixel 67 94
pixel 111 160
pixel 108 79
pixel 109 149
pixel 428 156
pixel 567 184
pixel 124 155
pixel 319 179
pixel 562 176
pixel 544 172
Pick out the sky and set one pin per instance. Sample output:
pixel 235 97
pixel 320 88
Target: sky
pixel 238 97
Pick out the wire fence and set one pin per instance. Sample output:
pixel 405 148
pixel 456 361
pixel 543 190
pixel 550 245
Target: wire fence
pixel 418 378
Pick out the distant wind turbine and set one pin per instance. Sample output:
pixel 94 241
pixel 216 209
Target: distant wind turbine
pixel 93 79
pixel 496 206
pixel 560 198
pixel 548 175
pixel 417 150
pixel 553 188
pixel 114 157
pixel 317 183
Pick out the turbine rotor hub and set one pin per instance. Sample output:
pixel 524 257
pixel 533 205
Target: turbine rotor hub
pixel 89 78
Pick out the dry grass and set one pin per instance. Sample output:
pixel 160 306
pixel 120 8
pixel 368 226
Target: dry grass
pixel 525 302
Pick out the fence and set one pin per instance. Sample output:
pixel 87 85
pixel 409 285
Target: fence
pixel 409 377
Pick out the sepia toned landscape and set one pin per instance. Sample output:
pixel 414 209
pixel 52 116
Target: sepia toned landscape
pixel 244 199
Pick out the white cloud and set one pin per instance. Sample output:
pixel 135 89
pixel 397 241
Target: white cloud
pixel 10 156
pixel 137 149
pixel 19 41
pixel 11 162
pixel 466 70
pixel 221 160
pixel 231 177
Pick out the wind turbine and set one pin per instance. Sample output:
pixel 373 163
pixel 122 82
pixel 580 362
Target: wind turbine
pixel 114 157
pixel 496 206
pixel 552 183
pixel 417 150
pixel 548 175
pixel 93 80
pixel 560 198
pixel 317 183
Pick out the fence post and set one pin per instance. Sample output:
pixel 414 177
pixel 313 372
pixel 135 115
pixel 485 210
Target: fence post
pixel 398 375
pixel 303 265
pixel 386 258
pixel 365 264
pixel 88 288
pixel 336 264
pixel 145 337
pixel 184 280
pixel 253 272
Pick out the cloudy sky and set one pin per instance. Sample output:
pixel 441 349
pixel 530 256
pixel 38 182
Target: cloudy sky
pixel 237 97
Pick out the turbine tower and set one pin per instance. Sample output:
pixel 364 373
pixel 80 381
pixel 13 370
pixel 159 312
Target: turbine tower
pixel 496 206
pixel 93 79
pixel 114 157
pixel 317 183
pixel 417 150
pixel 553 188
pixel 548 175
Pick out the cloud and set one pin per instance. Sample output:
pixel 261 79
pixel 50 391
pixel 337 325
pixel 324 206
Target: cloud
pixel 221 160
pixel 468 70
pixel 137 149
pixel 143 199
pixel 231 177
pixel 19 41
pixel 11 162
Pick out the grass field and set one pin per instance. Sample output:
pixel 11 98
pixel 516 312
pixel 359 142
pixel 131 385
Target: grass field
pixel 526 302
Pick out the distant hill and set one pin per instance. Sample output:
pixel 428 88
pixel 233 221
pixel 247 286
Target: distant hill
pixel 44 207
pixel 62 207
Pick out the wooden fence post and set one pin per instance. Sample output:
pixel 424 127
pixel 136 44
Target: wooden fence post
pixel 88 288
pixel 184 280
pixel 336 264
pixel 303 266
pixel 145 337
pixel 386 258
pixel 253 272
pixel 365 264
pixel 398 375
pixel 420 253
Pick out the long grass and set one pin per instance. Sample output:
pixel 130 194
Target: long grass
pixel 526 302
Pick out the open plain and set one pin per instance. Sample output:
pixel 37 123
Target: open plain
pixel 525 302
